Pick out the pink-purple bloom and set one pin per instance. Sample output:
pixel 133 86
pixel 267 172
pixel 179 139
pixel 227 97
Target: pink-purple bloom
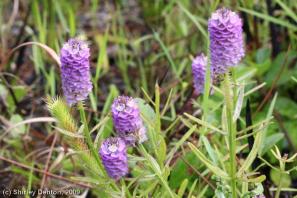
pixel 127 120
pixel 226 40
pixel 199 71
pixel 75 71
pixel 113 153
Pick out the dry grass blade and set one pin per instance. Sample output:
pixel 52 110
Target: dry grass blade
pixel 29 121
pixel 48 161
pixel 49 50
pixel 44 172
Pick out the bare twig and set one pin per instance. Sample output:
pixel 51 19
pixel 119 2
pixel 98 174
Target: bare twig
pixel 28 121
pixel 276 79
pixel 48 161
pixel 278 118
pixel 45 172
pixel 200 175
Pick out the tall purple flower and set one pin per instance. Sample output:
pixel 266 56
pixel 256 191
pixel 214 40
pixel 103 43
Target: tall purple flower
pixel 113 154
pixel 226 40
pixel 75 71
pixel 127 121
pixel 199 71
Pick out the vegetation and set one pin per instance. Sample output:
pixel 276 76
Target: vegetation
pixel 236 139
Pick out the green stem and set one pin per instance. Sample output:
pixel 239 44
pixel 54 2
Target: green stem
pixel 88 136
pixel 90 142
pixel 277 194
pixel 124 186
pixel 279 186
pixel 158 125
pixel 207 87
pixel 157 108
pixel 235 85
pixel 231 134
pixel 158 171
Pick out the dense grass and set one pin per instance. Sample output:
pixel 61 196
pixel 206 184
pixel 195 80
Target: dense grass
pixel 144 49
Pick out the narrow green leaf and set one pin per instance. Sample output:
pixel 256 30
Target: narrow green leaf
pixel 238 106
pixel 195 21
pixel 179 143
pixel 156 168
pixel 269 18
pixel 182 188
pixel 217 171
pixel 252 155
pixel 68 133
pixel 166 51
pixel 287 10
pixel 203 123
pixel 269 114
pixel 209 150
pixel 193 187
pixel 271 140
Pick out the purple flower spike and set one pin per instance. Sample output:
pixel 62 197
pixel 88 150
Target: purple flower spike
pixel 114 157
pixel 127 121
pixel 75 71
pixel 199 71
pixel 226 40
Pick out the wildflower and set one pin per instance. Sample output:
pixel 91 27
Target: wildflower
pixel 226 40
pixel 199 71
pixel 75 71
pixel 127 121
pixel 114 157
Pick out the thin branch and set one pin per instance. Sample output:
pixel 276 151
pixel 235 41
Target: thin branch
pixel 45 172
pixel 48 161
pixel 199 174
pixel 278 118
pixel 274 83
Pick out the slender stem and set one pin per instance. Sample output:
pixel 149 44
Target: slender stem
pixel 87 132
pixel 84 185
pixel 90 142
pixel 124 186
pixel 207 87
pixel 158 125
pixel 231 135
pixel 235 85
pixel 157 171
pixel 279 186
pixel 157 108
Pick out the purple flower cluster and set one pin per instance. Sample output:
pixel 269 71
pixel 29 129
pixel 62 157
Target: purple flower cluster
pixel 199 71
pixel 75 71
pixel 127 120
pixel 226 47
pixel 114 157
pixel 130 129
pixel 226 40
pixel 226 50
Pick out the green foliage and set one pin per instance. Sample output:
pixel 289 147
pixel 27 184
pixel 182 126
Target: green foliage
pixel 198 146
pixel 18 131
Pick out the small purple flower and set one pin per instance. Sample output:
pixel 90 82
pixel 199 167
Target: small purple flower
pixel 226 40
pixel 113 154
pixel 127 120
pixel 75 71
pixel 199 71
